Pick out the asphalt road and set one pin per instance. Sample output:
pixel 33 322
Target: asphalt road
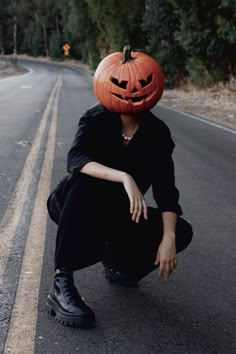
pixel 192 312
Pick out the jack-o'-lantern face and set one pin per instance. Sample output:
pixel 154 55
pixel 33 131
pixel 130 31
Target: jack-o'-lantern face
pixel 142 91
pixel 132 85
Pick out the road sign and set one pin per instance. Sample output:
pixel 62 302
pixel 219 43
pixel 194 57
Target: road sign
pixel 66 48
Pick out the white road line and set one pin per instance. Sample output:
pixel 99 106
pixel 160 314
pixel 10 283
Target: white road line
pixel 12 215
pixel 21 335
pixel 204 120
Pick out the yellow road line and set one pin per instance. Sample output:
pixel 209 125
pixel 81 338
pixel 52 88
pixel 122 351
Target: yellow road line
pixel 22 329
pixel 12 215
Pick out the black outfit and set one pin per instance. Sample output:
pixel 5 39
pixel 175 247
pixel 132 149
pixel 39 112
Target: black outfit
pixel 94 222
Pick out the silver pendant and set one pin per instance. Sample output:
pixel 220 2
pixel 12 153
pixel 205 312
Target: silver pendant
pixel 127 138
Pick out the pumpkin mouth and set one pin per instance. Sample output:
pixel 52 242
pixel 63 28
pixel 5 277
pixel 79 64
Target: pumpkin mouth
pixel 132 99
pixel 135 100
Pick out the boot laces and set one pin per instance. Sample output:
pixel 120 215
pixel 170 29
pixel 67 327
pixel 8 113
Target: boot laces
pixel 71 292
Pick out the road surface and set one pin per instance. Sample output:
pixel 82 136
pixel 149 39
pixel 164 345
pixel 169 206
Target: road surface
pixel 193 312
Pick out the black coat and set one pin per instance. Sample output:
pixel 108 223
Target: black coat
pixel 147 157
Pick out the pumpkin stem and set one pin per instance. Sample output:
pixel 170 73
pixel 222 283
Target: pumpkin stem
pixel 127 54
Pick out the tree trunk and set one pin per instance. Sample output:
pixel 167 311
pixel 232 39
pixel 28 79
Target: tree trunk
pixel 1 41
pixel 14 16
pixel 36 17
pixel 57 26
pixel 45 39
pixel 14 40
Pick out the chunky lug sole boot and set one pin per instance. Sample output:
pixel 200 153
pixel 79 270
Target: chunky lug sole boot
pixel 66 305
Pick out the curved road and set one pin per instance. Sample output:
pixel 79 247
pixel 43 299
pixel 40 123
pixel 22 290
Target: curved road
pixel 193 312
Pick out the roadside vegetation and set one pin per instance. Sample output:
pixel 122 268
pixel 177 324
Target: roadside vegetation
pixel 194 41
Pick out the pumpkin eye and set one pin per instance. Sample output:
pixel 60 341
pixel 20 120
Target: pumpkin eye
pixel 145 83
pixel 122 84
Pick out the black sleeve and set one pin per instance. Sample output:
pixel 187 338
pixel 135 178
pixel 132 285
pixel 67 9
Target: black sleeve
pixel 83 147
pixel 165 192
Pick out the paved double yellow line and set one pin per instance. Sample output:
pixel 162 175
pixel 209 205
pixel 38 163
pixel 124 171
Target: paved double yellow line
pixel 21 335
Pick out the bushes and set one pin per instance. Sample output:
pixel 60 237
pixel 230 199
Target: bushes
pixel 198 73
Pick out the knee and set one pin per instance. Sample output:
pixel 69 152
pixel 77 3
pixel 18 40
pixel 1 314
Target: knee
pixel 98 193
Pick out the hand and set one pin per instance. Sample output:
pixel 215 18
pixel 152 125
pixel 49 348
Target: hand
pixel 137 201
pixel 166 256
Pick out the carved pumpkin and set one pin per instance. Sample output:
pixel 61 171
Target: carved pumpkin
pixel 128 84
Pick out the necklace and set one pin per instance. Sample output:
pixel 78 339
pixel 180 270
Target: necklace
pixel 127 138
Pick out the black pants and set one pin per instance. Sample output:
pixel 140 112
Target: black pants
pixel 94 224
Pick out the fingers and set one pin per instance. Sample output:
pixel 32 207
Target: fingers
pixel 137 202
pixel 145 210
pixel 139 211
pixel 173 264
pixel 161 270
pixel 137 208
pixel 131 206
pixel 157 261
pixel 166 267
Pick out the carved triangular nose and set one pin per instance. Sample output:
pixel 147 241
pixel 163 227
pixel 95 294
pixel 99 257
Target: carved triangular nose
pixel 134 90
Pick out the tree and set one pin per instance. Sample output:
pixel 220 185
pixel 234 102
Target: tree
pixel 191 39
pixel 201 36
pixel 3 23
pixel 81 32
pixel 118 23
pixel 55 45
pixel 33 42
pixel 160 24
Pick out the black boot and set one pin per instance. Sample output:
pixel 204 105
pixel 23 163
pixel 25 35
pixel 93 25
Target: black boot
pixel 65 303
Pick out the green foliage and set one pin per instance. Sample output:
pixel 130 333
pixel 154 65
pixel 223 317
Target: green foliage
pixel 191 39
pixel 117 23
pixel 82 31
pixel 55 46
pixel 5 28
pixel 200 36
pixel 33 40
pixel 198 73
pixel 160 24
